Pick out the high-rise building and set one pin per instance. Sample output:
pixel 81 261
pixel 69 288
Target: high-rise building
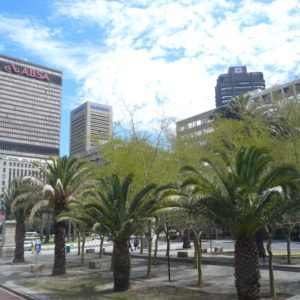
pixel 236 82
pixel 91 125
pixel 30 104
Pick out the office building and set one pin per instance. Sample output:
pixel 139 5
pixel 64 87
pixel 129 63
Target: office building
pixel 237 82
pixel 30 104
pixel 91 125
pixel 14 166
pixel 194 127
pixel 289 90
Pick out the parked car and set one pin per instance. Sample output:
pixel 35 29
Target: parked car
pixel 27 245
pixel 31 235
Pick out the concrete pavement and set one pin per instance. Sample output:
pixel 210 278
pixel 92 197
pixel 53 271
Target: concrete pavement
pixel 218 272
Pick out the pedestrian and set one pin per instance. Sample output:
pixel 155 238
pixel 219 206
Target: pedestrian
pixel 32 247
pixel 136 242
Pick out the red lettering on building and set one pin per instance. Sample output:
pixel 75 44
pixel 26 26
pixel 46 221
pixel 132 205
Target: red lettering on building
pixel 15 69
pixel 27 72
pixel 7 68
pixel 32 73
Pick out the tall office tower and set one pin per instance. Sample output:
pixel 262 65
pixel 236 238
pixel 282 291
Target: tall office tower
pixel 236 82
pixel 91 124
pixel 30 101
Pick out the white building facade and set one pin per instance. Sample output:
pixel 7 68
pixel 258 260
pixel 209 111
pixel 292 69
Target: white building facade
pixel 13 166
pixel 90 125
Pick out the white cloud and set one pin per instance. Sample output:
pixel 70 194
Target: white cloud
pixel 165 55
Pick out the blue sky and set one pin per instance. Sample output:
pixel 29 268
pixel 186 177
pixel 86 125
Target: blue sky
pixel 151 59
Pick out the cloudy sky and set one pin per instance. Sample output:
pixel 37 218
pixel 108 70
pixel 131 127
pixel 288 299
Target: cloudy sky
pixel 162 56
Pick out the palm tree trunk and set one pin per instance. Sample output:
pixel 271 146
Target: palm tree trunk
pixel 149 250
pixel 48 226
pixel 197 245
pixel 271 273
pixel 19 238
pixel 82 250
pixel 101 245
pixel 42 228
pixel 186 239
pixel 288 246
pixel 121 266
pixel 69 231
pixel 78 243
pixel 59 267
pixel 155 249
pixel 246 269
pixel 142 245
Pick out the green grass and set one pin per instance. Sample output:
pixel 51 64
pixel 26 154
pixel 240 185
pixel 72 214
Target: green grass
pixel 284 255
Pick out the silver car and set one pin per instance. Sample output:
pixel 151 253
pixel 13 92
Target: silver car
pixel 27 245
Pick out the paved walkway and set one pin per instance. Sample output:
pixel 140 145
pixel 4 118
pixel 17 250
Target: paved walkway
pixel 6 295
pixel 218 272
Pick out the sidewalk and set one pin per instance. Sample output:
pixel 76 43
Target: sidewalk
pixel 218 272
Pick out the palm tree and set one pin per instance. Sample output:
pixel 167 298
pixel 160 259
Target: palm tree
pixel 121 213
pixel 241 195
pixel 19 198
pixel 64 178
pixel 238 108
pixel 78 216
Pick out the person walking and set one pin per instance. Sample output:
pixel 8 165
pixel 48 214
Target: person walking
pixel 136 242
pixel 32 247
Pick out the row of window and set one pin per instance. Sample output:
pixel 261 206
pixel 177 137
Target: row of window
pixel 16 136
pixel 18 164
pixel 25 148
pixel 51 101
pixel 32 115
pixel 27 90
pixel 30 129
pixel 24 122
pixel 13 103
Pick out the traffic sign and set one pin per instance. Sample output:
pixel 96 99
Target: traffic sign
pixel 38 247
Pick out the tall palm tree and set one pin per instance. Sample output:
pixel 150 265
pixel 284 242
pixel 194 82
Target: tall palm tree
pixel 241 195
pixel 64 177
pixel 19 197
pixel 121 213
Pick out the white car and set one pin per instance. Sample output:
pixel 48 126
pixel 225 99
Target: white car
pixel 27 245
pixel 31 235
